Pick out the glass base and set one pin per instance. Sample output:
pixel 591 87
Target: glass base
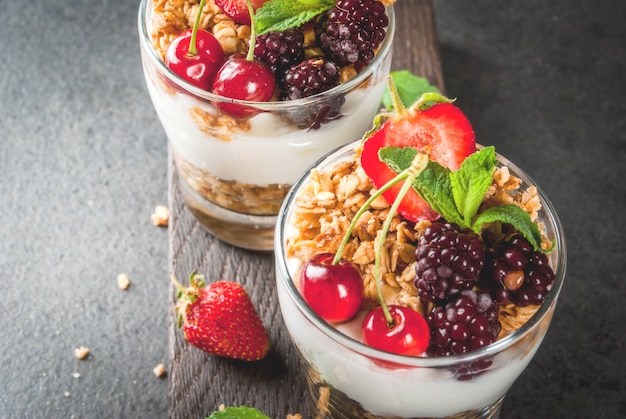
pixel 253 232
pixel 327 402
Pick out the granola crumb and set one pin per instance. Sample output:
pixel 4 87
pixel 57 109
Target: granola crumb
pixel 294 416
pixel 123 282
pixel 81 352
pixel 159 370
pixel 322 402
pixel 161 216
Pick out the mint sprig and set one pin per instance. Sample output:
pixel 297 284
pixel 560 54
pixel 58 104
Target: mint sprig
pixel 279 15
pixel 457 196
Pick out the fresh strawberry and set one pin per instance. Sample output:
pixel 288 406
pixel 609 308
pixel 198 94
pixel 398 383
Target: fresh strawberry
pixel 220 319
pixel 441 128
pixel 237 10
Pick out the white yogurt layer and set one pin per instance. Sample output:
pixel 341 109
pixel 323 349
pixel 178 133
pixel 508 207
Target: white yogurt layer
pixel 403 392
pixel 272 151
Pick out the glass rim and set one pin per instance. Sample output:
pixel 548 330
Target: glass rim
pixel 411 361
pixel 146 44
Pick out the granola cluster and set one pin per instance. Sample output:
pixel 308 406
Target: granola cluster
pixel 236 196
pixel 326 206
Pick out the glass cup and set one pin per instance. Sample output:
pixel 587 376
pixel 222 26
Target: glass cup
pixel 235 172
pixel 348 379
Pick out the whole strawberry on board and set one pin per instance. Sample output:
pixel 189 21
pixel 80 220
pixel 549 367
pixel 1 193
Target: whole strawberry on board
pixel 219 318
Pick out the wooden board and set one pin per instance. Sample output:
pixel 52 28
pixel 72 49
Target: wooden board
pixel 198 382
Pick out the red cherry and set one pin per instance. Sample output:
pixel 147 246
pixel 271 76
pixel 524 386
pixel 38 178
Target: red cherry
pixel 197 68
pixel 240 78
pixel 409 334
pixel 334 292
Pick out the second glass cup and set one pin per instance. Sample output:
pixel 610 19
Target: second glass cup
pixel 235 172
pixel 349 379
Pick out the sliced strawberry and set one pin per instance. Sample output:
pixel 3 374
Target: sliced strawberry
pixel 442 127
pixel 237 10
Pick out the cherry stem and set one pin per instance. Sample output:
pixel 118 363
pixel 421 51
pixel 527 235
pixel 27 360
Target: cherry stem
pixel 418 164
pixel 192 51
pixel 250 56
pixel 401 176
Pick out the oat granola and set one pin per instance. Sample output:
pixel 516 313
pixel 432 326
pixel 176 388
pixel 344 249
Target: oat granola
pixel 236 196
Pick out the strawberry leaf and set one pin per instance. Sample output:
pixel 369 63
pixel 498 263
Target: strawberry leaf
pixel 241 412
pixel 279 15
pixel 471 181
pixel 410 88
pixel 514 215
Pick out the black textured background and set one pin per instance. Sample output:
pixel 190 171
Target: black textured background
pixel 83 163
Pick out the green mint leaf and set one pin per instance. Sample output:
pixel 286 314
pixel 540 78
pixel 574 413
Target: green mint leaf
pixel 433 184
pixel 410 88
pixel 471 181
pixel 398 159
pixel 241 412
pixel 279 15
pixel 514 215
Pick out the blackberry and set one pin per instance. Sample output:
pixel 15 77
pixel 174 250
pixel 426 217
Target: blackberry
pixel 517 273
pixel 350 31
pixel 280 50
pixel 449 260
pixel 309 78
pixel 466 323
pixel 313 76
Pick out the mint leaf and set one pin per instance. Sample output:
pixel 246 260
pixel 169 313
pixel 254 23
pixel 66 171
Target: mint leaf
pixel 398 159
pixel 410 88
pixel 457 196
pixel 279 15
pixel 241 412
pixel 471 181
pixel 433 184
pixel 514 215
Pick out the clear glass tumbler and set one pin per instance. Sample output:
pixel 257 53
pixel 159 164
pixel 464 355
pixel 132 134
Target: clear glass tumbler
pixel 348 379
pixel 235 172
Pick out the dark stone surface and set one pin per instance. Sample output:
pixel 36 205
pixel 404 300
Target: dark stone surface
pixel 83 163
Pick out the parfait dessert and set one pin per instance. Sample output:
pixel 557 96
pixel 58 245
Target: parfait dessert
pixel 250 93
pixel 417 270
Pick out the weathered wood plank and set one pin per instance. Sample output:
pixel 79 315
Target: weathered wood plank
pixel 198 382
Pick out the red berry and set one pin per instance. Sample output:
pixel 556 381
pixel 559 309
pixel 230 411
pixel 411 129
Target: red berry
pixel 409 334
pixel 334 292
pixel 243 79
pixel 221 320
pixel 200 68
pixel 237 10
pixel 443 127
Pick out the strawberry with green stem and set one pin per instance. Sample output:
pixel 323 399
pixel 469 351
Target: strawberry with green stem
pixel 434 122
pixel 219 318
